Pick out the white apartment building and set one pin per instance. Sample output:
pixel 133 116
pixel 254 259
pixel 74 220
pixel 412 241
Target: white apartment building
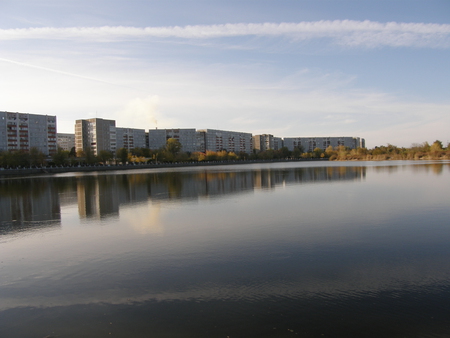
pixel 217 140
pixel 23 131
pixel 66 141
pixel 96 134
pixel 157 138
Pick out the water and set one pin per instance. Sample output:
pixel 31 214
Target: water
pixel 264 250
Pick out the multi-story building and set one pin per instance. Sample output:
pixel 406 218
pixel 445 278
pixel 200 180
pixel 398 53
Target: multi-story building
pixel 217 140
pixel 130 138
pixel 308 144
pixel 96 134
pixel 266 141
pixel 23 131
pixel 66 141
pixel 262 142
pixel 157 138
pixel 278 143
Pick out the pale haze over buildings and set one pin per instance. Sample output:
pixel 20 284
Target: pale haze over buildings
pixel 294 68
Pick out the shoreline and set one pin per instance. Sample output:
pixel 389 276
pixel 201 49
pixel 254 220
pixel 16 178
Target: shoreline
pixel 93 168
pixel 4 173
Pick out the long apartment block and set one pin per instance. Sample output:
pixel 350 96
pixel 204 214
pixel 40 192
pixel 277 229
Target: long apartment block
pixel 23 131
pixel 308 144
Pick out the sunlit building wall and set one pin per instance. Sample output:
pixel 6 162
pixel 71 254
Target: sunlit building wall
pixel 96 134
pixel 266 141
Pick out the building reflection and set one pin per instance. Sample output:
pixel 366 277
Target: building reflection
pixel 102 196
pixel 97 197
pixel 28 204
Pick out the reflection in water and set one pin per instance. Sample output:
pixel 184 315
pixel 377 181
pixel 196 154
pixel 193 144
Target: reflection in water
pixel 100 196
pixel 25 204
pixel 273 252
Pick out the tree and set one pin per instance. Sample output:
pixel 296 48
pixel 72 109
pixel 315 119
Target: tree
pixel 296 153
pixel 37 157
pixel 122 155
pixel 210 155
pixel 222 155
pixel 242 155
pixel 317 152
pixel 104 156
pixel 232 156
pixel 436 146
pixel 329 151
pixel 284 152
pixel 81 153
pixel 60 157
pixel 16 158
pixel 72 152
pixel 90 156
pixel 173 146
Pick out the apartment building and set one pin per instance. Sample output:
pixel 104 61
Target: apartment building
pixel 278 143
pixel 130 138
pixel 23 131
pixel 265 142
pixel 157 138
pixel 96 134
pixel 217 140
pixel 65 141
pixel 308 144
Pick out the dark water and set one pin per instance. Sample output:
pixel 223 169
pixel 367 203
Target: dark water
pixel 281 250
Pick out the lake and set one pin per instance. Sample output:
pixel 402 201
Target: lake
pixel 302 249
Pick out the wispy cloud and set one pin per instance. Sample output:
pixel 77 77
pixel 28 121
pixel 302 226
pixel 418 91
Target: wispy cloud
pixel 343 32
pixel 54 71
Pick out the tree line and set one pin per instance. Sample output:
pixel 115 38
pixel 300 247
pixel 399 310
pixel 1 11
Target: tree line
pixel 173 152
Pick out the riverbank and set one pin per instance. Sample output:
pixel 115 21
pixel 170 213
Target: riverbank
pixel 93 168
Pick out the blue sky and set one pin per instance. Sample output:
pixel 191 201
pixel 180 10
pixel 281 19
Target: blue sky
pixel 373 69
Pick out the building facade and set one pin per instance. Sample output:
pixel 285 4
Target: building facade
pixel 217 140
pixel 23 131
pixel 96 134
pixel 157 138
pixel 308 144
pixel 66 141
pixel 278 143
pixel 265 142
pixel 130 138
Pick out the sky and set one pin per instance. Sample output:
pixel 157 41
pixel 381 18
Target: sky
pixel 377 69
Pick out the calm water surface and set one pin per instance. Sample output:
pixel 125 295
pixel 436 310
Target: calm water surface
pixel 266 250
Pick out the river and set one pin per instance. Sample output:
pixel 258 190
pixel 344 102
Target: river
pixel 302 249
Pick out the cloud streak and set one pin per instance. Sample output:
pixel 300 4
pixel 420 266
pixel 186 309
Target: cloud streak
pixel 342 32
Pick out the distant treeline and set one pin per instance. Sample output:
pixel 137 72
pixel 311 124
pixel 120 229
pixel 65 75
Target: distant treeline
pixel 172 152
pixel 417 151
